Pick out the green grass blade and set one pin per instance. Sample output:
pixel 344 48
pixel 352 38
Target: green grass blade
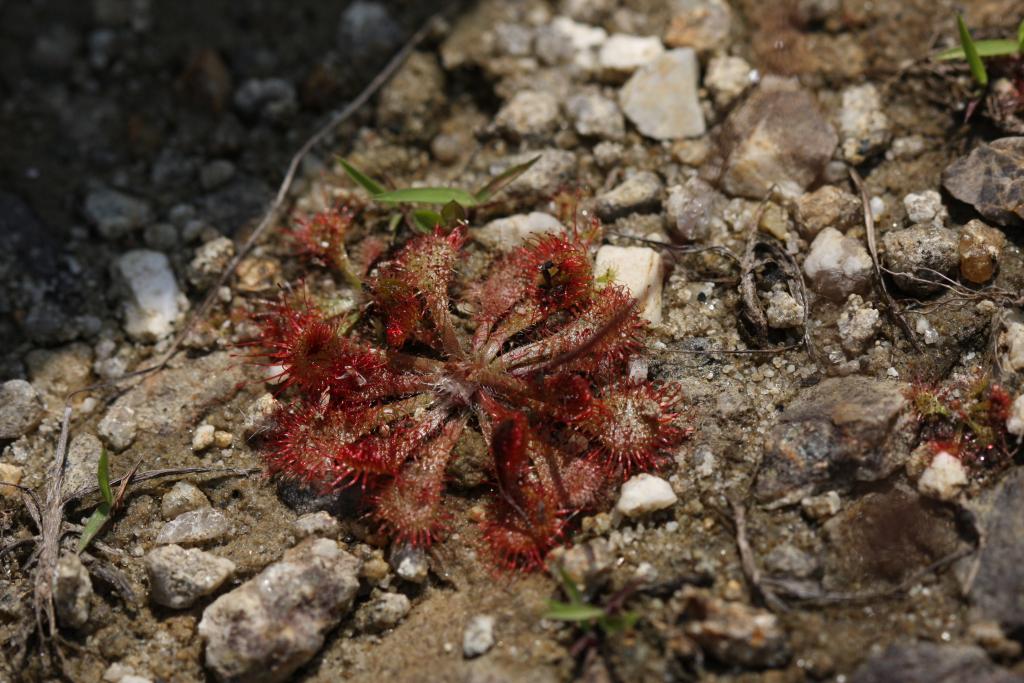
pixel 103 477
pixel 361 179
pixel 94 525
pixel 503 179
pixel 563 611
pixel 1020 37
pixel 427 195
pixel 426 219
pixel 971 53
pixel 569 586
pixel 452 212
pixel 997 47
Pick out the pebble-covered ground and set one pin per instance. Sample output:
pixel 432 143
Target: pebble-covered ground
pixel 848 506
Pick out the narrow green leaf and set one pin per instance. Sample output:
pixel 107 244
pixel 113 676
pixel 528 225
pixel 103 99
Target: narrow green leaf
pixel 997 47
pixel 620 622
pixel 103 477
pixel 971 53
pixel 360 178
pixel 562 611
pixel 1020 37
pixel 427 195
pixel 504 178
pixel 452 212
pixel 426 219
pixel 94 525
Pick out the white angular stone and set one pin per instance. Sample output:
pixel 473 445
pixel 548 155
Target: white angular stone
pixel 837 266
pixel 72 591
pixel 202 438
pixel 478 637
pixel 1015 423
pixel 924 207
pixel 529 113
pixel 727 77
pixel 624 54
pixel 510 232
pixel 644 494
pixel 661 99
pixel 320 523
pixel 195 527
pixel 183 497
pixel 944 478
pixel 579 36
pixel 640 270
pixel 863 125
pixel 152 301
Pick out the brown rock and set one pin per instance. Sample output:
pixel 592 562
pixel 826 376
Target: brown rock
pixel 980 246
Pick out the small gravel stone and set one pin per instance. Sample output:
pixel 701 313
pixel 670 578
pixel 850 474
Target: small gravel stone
pixel 640 270
pixel 823 506
pixel 727 78
pixel 222 439
pixel 555 166
pixel 943 478
pixel 788 560
pixel 410 563
pixel 918 251
pixel 118 428
pixel 272 99
pixel 478 638
pixel 1015 421
pixel 778 138
pixel 623 54
pixel 639 193
pixel 375 570
pixel 732 632
pixel 827 207
pixel 782 310
pixel 72 590
pixel 858 324
pixel 10 474
pixel 259 415
pixel 643 494
pixel 179 577
pixel 202 438
pixel 152 301
pixel 321 523
pixel 210 260
pixel 694 210
pixel 271 625
pixel 81 462
pixel 863 125
pixel 510 232
pixel 196 527
pixel 381 612
pixel 114 213
pixel 980 248
pixel 661 100
pixel 529 114
pixel 160 236
pixel 216 173
pixel 594 115
pixel 703 25
pixel 21 409
pixel 925 207
pixel 837 266
pixel 183 497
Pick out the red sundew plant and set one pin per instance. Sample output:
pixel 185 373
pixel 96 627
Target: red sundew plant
pixel 967 420
pixel 535 356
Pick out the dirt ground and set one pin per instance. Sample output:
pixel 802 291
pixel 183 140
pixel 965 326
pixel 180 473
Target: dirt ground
pixel 143 97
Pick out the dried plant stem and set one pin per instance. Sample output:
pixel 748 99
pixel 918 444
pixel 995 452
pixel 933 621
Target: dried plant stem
pixel 894 310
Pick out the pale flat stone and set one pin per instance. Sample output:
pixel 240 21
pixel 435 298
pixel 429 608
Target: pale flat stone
pixel 640 270
pixel 644 494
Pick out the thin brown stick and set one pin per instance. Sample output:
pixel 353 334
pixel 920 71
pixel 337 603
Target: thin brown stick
pixel 748 562
pixel 869 228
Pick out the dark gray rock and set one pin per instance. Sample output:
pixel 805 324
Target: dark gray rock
pixel 367 33
pixel 991 179
pixel 922 251
pixel 841 430
pixel 268 627
pixel 934 663
pixel 114 213
pixel 997 590
pixel 21 408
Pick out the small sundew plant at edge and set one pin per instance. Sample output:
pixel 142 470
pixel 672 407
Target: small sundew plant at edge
pixel 534 356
